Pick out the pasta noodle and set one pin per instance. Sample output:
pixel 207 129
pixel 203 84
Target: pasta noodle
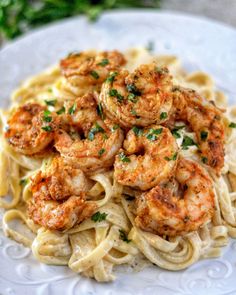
pixel 96 248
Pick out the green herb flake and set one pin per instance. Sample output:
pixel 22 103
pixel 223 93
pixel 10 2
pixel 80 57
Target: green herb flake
pixel 111 78
pixel 137 131
pixel 172 158
pixel 104 62
pixel 98 216
pixel 94 74
pixel 188 141
pixel 133 89
pixel 204 135
pixel 61 111
pixel 113 92
pixel 232 125
pixel 46 116
pixel 204 160
pixel 24 181
pixel 132 97
pixel 101 152
pixel 124 158
pixel 51 102
pixel 115 127
pixel 133 112
pixel 163 115
pixel 152 134
pixel 47 128
pixel 100 111
pixel 94 131
pixel 123 236
pixel 72 109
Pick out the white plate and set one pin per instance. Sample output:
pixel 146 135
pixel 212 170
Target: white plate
pixel 202 45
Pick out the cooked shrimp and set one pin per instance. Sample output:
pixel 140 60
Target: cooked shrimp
pixel 30 129
pixel 140 98
pixel 94 142
pixel 149 157
pixel 191 205
pixel 59 196
pixel 205 119
pixel 88 69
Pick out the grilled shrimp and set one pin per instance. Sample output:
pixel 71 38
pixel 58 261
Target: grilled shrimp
pixel 88 69
pixel 94 142
pixel 30 129
pixel 149 157
pixel 140 98
pixel 205 119
pixel 58 200
pixel 175 210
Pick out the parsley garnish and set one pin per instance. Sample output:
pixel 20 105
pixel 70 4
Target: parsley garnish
pixel 72 109
pixel 124 158
pixel 94 74
pixel 104 62
pixel 111 78
pixel 152 134
pixel 98 217
pixel 137 131
pixel 114 92
pixel 100 111
pixel 175 131
pixel 123 236
pixel 24 181
pixel 47 128
pixel 133 89
pixel 188 141
pixel 115 127
pixel 204 135
pixel 232 125
pixel 173 157
pixel 51 102
pixel 132 97
pixel 204 160
pixel 101 152
pixel 61 111
pixel 95 130
pixel 46 117
pixel 163 115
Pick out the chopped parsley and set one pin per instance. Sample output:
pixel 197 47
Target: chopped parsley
pixel 114 93
pixel 132 97
pixel 100 111
pixel 94 74
pixel 152 134
pixel 175 131
pixel 137 131
pixel 101 152
pixel 133 89
pixel 24 181
pixel 51 102
pixel 123 236
pixel 46 116
pixel 124 158
pixel 232 125
pixel 163 115
pixel 111 78
pixel 98 216
pixel 72 109
pixel 104 62
pixel 172 158
pixel 133 112
pixel 95 130
pixel 187 141
pixel 47 128
pixel 161 71
pixel 61 111
pixel 204 135
pixel 204 160
pixel 115 127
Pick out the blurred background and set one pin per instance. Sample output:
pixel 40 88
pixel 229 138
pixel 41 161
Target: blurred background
pixel 20 16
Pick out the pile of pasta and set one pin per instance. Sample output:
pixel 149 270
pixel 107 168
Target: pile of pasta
pixel 97 245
